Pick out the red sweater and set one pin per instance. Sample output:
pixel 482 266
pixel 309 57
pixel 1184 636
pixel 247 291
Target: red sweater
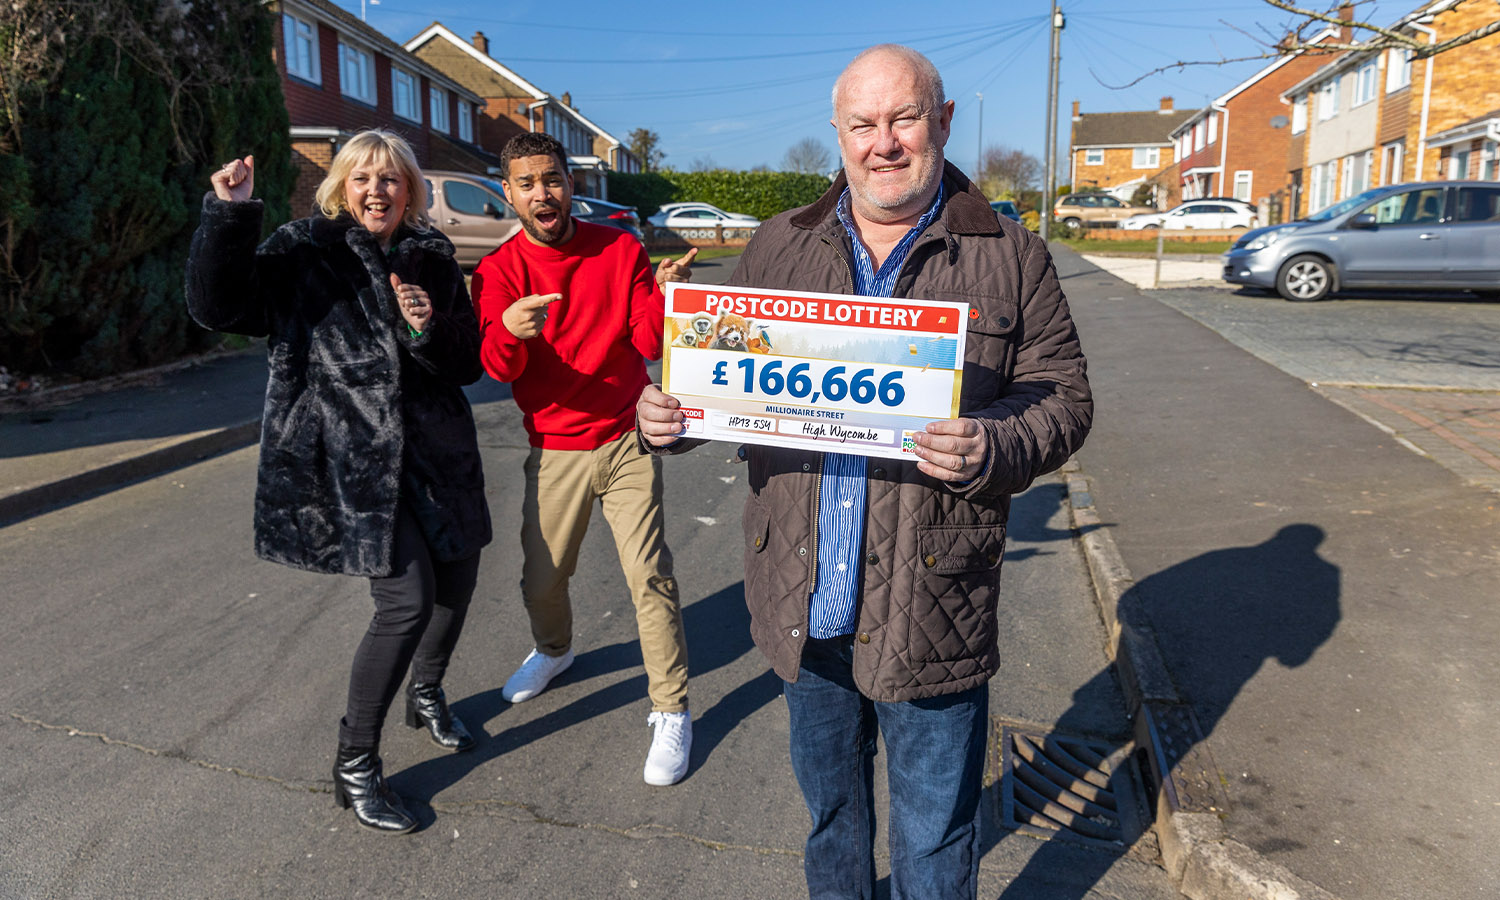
pixel 578 381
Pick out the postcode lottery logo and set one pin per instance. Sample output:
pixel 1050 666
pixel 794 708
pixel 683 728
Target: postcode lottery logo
pixel 908 445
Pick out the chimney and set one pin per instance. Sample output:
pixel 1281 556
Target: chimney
pixel 567 99
pixel 1166 105
pixel 1075 111
pixel 1346 15
pixel 481 43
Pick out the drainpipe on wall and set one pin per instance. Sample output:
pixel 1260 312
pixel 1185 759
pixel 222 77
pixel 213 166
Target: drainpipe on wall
pixel 1426 98
pixel 1223 144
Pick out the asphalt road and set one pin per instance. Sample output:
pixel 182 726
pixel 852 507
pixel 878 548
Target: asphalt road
pixel 168 710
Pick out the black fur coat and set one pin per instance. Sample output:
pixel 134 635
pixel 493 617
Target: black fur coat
pixel 359 414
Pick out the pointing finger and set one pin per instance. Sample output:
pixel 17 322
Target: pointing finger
pixel 687 258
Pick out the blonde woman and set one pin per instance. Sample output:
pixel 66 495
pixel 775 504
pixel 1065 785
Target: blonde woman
pixel 369 464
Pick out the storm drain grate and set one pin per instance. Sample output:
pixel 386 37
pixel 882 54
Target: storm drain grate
pixel 1053 785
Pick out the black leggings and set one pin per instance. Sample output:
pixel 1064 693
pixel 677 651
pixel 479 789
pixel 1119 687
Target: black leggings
pixel 419 613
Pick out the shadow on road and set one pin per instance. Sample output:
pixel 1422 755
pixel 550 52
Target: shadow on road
pixel 1218 618
pixel 718 634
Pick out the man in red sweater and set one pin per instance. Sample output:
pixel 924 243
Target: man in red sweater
pixel 568 314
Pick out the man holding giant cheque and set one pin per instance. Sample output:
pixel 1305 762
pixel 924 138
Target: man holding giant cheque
pixel 899 361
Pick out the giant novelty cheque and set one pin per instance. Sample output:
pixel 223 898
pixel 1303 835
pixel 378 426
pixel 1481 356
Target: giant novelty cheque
pixel 833 372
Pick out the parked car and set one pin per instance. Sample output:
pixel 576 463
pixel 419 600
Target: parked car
pixel 1197 214
pixel 1434 235
pixel 699 215
pixel 1080 210
pixel 1007 209
pixel 471 210
pixel 603 212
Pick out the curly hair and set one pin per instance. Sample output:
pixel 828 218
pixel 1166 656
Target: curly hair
pixel 532 143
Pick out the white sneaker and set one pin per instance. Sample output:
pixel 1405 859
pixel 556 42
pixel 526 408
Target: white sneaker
pixel 532 678
pixel 667 760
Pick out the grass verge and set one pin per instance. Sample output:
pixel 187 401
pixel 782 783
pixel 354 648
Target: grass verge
pixel 704 253
pixel 1085 245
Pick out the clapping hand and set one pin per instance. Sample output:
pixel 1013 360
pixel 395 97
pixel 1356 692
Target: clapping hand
pixel 235 180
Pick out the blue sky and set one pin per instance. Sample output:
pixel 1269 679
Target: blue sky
pixel 738 83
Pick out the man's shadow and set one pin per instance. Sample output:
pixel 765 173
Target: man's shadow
pixel 718 633
pixel 1218 618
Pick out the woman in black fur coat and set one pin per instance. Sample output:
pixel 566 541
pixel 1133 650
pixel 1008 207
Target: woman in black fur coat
pixel 369 463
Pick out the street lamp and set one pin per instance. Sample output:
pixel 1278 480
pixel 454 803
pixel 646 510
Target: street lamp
pixel 979 157
pixel 362 4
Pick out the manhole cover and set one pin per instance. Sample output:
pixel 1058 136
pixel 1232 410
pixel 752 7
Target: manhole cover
pixel 1054 785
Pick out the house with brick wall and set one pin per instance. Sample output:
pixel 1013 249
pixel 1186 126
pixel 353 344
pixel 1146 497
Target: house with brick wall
pixel 1435 118
pixel 1119 151
pixel 340 76
pixel 1237 145
pixel 513 105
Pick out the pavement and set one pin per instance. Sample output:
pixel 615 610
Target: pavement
pixel 1298 606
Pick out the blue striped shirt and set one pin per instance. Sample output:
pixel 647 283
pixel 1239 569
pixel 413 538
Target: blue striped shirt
pixel 841 500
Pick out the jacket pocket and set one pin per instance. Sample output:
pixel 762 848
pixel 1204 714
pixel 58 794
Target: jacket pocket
pixel 956 586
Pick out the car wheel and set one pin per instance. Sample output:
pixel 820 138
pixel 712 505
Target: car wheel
pixel 1305 278
pixel 1072 223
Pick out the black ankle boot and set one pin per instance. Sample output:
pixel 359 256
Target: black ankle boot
pixel 426 706
pixel 358 781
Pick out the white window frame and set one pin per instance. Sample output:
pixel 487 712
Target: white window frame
pixel 1093 156
pixel 293 41
pixel 1213 128
pixel 1457 172
pixel 356 72
pixel 1489 162
pixel 1328 98
pixel 411 111
pixel 1397 69
pixel 1247 178
pixel 1299 114
pixel 465 121
pixel 1145 158
pixel 437 109
pixel 1197 136
pixel 1365 79
pixel 1392 160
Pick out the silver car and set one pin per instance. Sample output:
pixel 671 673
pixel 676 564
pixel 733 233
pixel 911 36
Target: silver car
pixel 1432 235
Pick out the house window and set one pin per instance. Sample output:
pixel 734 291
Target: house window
pixel 1213 128
pixel 356 74
pixel 1458 165
pixel 1364 84
pixel 1356 174
pixel 1242 185
pixel 1392 156
pixel 1299 114
pixel 1328 98
pixel 1397 69
pixel 437 107
pixel 300 41
pixel 1198 136
pixel 1093 157
pixel 1145 158
pixel 1489 162
pixel 465 122
pixel 404 95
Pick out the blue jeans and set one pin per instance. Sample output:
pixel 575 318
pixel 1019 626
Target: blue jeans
pixel 935 766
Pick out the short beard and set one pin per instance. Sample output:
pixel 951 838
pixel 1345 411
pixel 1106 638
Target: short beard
pixel 897 206
pixel 564 217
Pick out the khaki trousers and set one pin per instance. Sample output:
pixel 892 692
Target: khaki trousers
pixel 561 486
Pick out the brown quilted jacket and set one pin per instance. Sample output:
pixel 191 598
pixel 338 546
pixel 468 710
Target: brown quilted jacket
pixel 931 576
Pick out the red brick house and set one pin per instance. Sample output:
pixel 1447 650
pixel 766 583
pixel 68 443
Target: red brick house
pixel 1237 145
pixel 1119 151
pixel 340 76
pixel 512 105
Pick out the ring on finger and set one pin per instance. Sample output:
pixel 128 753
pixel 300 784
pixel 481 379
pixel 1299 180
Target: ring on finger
pixel 963 461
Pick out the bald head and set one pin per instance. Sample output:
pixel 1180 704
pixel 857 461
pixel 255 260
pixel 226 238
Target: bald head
pixel 886 56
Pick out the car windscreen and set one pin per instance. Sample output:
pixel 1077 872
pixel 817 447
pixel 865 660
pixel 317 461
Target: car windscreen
pixel 1343 206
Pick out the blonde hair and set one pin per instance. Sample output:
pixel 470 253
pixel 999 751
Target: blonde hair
pixel 382 146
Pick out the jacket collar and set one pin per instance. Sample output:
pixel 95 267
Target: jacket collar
pixel 344 229
pixel 965 212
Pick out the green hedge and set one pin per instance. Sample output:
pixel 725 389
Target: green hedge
pixel 104 164
pixel 760 194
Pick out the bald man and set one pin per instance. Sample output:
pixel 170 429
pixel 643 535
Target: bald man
pixel 873 584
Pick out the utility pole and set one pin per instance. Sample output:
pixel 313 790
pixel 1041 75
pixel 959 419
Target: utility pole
pixel 979 157
pixel 1050 154
pixel 362 4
